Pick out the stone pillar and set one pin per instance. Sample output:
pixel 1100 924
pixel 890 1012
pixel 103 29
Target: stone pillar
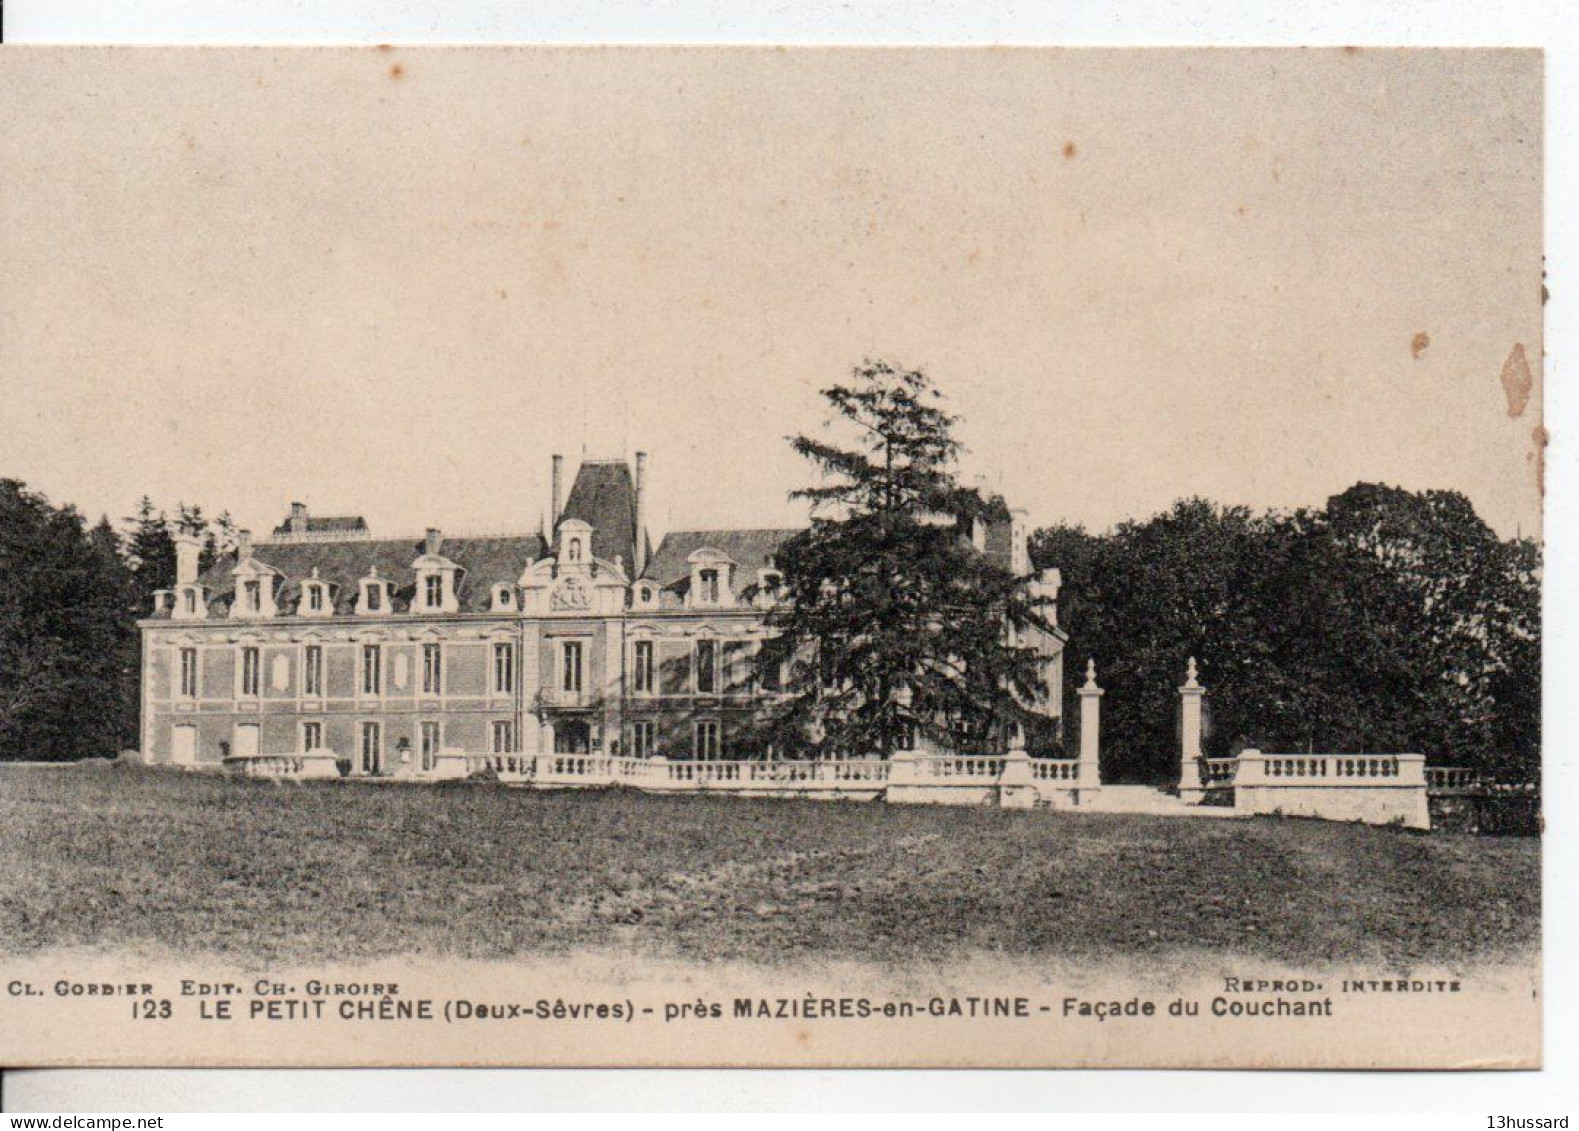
pixel 1090 769
pixel 1016 786
pixel 1190 697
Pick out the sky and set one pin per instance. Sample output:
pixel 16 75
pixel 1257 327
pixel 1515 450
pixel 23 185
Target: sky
pixel 393 282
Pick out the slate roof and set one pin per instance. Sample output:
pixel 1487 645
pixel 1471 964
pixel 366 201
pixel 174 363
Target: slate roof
pixel 329 524
pixel 604 497
pixel 484 563
pixel 752 549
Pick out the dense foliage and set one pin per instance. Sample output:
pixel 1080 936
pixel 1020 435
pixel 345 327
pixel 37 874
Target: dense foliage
pixel 891 622
pixel 69 654
pixel 1386 621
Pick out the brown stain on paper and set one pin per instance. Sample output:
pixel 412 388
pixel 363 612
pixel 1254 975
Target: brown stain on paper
pixel 1419 344
pixel 1517 381
pixel 397 72
pixel 1539 437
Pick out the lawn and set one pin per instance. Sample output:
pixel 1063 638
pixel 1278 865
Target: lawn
pixel 257 870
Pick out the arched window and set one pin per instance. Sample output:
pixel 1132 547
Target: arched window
pixel 574 553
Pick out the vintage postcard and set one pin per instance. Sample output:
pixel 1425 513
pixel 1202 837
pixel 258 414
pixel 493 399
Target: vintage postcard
pixel 783 557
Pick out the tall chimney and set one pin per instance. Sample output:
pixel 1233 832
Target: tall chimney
pixel 298 518
pixel 1019 542
pixel 556 493
pixel 243 545
pixel 434 540
pixel 187 547
pixel 640 559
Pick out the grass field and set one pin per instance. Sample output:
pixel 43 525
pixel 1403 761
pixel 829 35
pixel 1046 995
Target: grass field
pixel 123 857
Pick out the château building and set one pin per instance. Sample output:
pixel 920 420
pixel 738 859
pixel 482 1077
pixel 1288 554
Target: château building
pixel 390 651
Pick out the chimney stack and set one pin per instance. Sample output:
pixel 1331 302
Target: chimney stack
pixel 434 540
pixel 298 518
pixel 556 494
pixel 187 547
pixel 640 558
pixel 243 545
pixel 1019 542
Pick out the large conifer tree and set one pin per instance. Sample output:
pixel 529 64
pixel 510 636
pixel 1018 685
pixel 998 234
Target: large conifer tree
pixel 891 621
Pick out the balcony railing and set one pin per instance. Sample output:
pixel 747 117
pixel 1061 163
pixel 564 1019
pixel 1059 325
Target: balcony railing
pixel 567 699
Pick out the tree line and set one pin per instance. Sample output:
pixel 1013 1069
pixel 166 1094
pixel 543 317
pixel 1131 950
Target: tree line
pixel 1387 620
pixel 72 593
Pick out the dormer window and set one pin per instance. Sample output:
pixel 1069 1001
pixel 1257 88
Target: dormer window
pixel 315 597
pixel 254 593
pixel 712 579
pixel 436 581
pixel 315 600
pixel 189 602
pixel 372 595
pixel 575 542
pixel 503 597
pixel 646 593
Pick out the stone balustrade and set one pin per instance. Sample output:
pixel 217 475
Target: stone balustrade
pixel 297 765
pixel 934 779
pixel 504 766
pixel 1373 788
pixel 1055 769
pixel 1447 779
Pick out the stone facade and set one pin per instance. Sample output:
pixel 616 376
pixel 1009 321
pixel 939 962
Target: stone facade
pixel 393 655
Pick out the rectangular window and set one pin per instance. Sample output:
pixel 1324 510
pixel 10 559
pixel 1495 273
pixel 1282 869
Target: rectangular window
pixel 375 596
pixel 503 737
pixel 312 736
pixel 315 598
pixel 371 669
pixel 674 672
pixel 372 748
pixel 189 673
pixel 710 586
pixel 643 667
pixel 572 666
pixel 706 745
pixel 249 672
pixel 432 669
pixel 430 746
pixel 254 597
pixel 189 601
pixel 434 587
pixel 503 668
pixel 312 670
pixel 642 740
pixel 706 667
pixel 773 678
pixel 737 667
